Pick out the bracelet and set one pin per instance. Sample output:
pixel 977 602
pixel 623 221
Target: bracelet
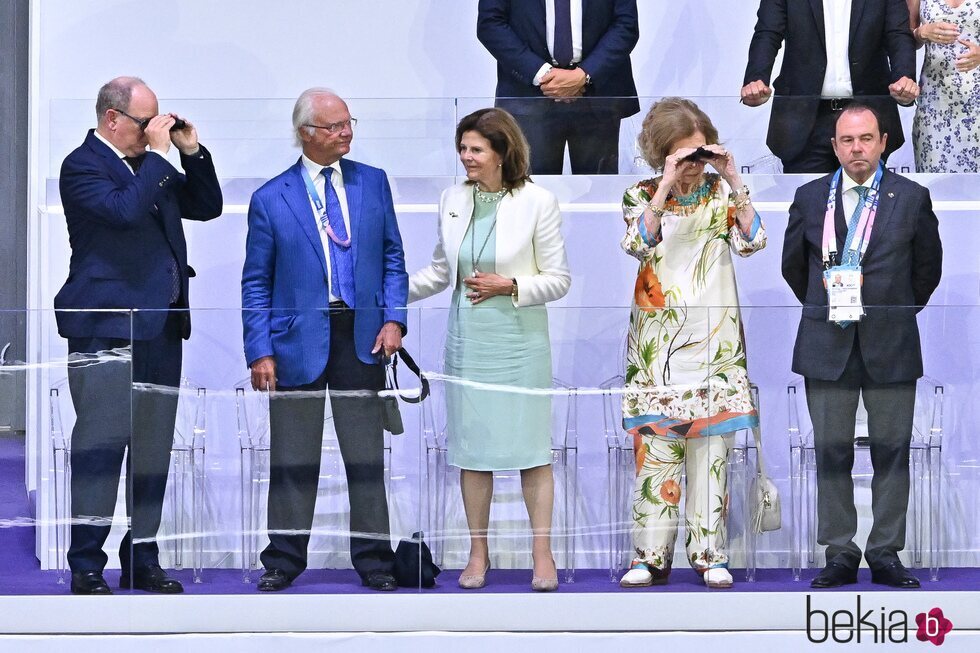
pixel 657 211
pixel 513 289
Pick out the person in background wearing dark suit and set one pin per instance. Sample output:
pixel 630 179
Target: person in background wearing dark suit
pixel 884 226
pixel 564 50
pixel 836 51
pixel 123 203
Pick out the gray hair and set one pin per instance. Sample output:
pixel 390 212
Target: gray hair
pixel 303 110
pixel 116 94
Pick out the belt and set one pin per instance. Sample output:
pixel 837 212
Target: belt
pixel 835 103
pixel 338 305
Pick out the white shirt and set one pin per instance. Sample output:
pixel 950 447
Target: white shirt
pixel 337 181
pixel 837 27
pixel 576 15
pixel 119 153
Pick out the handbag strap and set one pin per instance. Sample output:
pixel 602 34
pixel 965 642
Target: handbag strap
pixel 760 465
pixel 413 366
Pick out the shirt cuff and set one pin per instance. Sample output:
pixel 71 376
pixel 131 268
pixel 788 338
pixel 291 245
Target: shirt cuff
pixel 163 154
pixel 542 71
pixel 754 228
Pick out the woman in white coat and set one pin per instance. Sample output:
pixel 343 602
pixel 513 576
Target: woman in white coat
pixel 501 251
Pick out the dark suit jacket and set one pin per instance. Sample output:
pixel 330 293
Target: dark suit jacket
pixel 285 271
pixel 125 232
pixel 881 50
pixel 901 269
pixel 514 33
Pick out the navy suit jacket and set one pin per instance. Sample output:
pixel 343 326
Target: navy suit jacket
pixel 284 280
pixel 901 269
pixel 514 33
pixel 881 50
pixel 125 232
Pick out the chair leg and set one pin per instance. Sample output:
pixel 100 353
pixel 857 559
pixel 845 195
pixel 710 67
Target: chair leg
pixel 197 513
pixel 571 503
pixel 916 498
pixel 796 510
pixel 178 473
pixel 247 526
pixel 934 467
pixel 62 483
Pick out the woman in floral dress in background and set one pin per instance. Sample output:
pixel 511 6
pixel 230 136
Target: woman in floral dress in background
pixel 687 390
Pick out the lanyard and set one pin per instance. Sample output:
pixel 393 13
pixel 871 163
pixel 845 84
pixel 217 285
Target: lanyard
pixel 321 209
pixel 862 235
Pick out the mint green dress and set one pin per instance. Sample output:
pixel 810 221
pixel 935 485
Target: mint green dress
pixel 502 350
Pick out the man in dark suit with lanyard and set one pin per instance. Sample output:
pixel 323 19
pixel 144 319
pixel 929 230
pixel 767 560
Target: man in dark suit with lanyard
pixel 124 203
pixel 551 52
pixel 324 290
pixel 876 231
pixel 836 51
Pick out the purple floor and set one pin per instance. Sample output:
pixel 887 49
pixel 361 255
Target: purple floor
pixel 20 573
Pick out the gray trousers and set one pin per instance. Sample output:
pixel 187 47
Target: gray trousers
pixel 890 406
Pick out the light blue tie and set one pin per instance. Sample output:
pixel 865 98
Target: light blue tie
pixel 341 258
pixel 848 257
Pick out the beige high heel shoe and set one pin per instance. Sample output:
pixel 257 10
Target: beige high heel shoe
pixel 539 584
pixel 474 581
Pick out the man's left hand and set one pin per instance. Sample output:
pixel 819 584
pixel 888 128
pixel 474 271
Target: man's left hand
pixel 389 339
pixel 904 91
pixel 560 83
pixel 185 139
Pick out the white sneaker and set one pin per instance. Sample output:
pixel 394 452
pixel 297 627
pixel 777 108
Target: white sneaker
pixel 638 576
pixel 718 578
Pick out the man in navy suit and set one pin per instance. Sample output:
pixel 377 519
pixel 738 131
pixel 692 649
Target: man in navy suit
pixel 550 53
pixel 835 51
pixel 324 290
pixel 878 357
pixel 124 205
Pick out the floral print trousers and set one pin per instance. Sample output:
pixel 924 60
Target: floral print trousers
pixel 657 496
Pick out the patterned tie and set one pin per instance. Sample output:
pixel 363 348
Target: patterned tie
pixel 563 32
pixel 341 258
pixel 848 257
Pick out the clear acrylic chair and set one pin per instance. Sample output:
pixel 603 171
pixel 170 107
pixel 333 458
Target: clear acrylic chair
pixel 252 409
pixel 621 475
pixel 187 474
pixel 442 480
pixel 925 462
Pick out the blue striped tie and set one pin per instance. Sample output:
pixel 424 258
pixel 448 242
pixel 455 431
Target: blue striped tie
pixel 849 258
pixel 341 258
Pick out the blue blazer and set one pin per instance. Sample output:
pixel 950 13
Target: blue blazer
pixel 284 280
pixel 125 231
pixel 880 47
pixel 514 33
pixel 901 269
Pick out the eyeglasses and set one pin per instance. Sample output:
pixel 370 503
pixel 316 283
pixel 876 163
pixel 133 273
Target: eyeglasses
pixel 142 122
pixel 335 127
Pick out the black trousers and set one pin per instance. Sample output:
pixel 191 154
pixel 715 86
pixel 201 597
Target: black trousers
pixel 890 406
pixel 296 424
pixel 592 137
pixel 112 416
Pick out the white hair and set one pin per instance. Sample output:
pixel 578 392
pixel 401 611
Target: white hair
pixel 303 109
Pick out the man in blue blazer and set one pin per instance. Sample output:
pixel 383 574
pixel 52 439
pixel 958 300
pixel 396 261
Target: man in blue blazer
pixel 124 205
pixel 550 52
pixel 324 290
pixel 831 57
pixel 878 357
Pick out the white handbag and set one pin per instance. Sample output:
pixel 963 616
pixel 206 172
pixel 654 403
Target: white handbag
pixel 763 496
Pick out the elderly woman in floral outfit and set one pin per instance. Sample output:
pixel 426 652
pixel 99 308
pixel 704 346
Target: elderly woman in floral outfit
pixel 687 389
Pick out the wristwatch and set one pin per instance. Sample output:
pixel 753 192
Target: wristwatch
pixel 513 289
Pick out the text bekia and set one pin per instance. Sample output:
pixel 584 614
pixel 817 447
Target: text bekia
pixel 876 625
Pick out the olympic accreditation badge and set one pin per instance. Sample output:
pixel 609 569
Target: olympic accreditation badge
pixel 843 293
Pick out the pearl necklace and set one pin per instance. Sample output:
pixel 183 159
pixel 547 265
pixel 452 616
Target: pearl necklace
pixel 488 197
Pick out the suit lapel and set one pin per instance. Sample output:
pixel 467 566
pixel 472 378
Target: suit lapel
pixel 817 7
pixel 354 191
pixel 857 8
pixel 887 199
pixel 298 200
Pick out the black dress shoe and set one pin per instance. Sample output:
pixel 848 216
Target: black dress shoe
pixel 151 579
pixel 273 580
pixel 89 582
pixel 895 575
pixel 381 581
pixel 834 574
